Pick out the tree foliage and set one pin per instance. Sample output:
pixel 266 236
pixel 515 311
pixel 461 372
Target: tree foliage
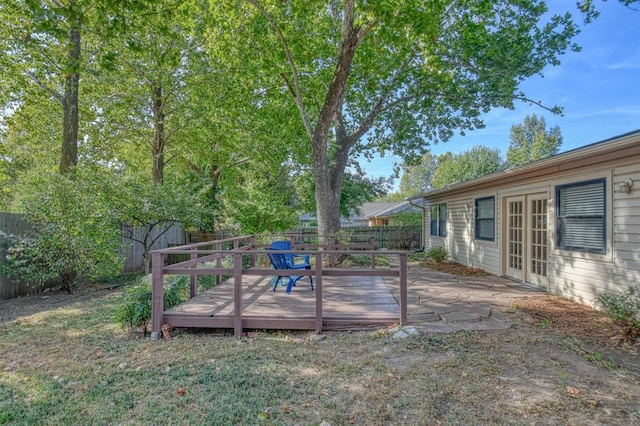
pixel 74 238
pixel 417 178
pixel 148 211
pixel 358 188
pixel 404 74
pixel 532 141
pixel 475 162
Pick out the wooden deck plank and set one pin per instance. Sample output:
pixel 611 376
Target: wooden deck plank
pixel 357 299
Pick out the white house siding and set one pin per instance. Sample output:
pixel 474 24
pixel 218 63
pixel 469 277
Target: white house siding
pixel 582 277
pixel 626 225
pixel 460 241
pixel 576 275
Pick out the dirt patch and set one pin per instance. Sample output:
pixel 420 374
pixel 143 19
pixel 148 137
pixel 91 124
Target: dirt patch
pixel 11 309
pixel 456 269
pixel 570 318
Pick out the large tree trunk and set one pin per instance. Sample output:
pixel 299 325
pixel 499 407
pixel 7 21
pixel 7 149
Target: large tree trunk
pixel 159 136
pixel 69 152
pixel 328 207
pixel 330 171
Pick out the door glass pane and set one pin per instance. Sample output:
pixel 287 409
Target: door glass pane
pixel 539 237
pixel 515 235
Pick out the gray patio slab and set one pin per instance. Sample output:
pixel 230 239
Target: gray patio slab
pixel 443 303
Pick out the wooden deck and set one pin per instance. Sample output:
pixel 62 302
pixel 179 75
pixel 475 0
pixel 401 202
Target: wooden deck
pixel 347 302
pixel 344 298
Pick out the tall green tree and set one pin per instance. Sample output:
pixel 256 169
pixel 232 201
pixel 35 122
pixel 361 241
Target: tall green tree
pixel 41 45
pixel 532 141
pixel 475 162
pixel 417 178
pixel 403 74
pixel 358 188
pixel 151 69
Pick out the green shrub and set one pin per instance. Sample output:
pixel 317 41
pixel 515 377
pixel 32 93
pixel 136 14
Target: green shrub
pixel 623 308
pixel 74 238
pixel 24 260
pixel 437 254
pixel 134 309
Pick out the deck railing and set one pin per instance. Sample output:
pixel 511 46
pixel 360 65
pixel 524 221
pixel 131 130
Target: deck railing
pixel 244 248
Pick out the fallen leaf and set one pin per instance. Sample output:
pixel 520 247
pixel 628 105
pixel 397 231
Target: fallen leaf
pixel 353 418
pixel 287 409
pixel 573 391
pixel 181 391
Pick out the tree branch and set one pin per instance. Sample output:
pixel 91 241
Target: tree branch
pixel 379 106
pixel 554 110
pixel 57 95
pixel 295 89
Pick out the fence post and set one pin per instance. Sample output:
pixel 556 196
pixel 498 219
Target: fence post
pixel 237 294
pixel 157 294
pixel 403 288
pixel 319 319
pixel 373 252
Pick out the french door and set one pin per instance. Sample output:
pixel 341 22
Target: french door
pixel 526 238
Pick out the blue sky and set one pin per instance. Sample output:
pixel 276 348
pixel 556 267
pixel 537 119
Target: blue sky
pixel 598 87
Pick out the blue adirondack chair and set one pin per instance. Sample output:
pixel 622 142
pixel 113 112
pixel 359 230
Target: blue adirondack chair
pixel 279 261
pixel 295 261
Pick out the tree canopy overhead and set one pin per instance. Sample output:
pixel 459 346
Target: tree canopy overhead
pixel 532 141
pixel 397 76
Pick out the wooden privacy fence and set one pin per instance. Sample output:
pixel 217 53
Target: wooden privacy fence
pixel 15 224
pixel 387 237
pixel 210 258
pixel 405 237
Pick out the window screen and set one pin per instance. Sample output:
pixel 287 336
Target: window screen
pixel 581 216
pixel 485 218
pixel 439 220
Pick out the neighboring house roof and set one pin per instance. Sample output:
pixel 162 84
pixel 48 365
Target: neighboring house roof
pixel 369 211
pixel 621 146
pixel 311 217
pixel 382 209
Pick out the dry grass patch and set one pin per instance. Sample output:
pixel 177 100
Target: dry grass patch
pixel 69 364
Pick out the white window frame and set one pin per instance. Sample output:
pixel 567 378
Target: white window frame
pixel 440 220
pixel 561 219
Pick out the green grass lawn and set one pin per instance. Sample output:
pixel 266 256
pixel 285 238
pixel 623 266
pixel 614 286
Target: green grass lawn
pixel 73 365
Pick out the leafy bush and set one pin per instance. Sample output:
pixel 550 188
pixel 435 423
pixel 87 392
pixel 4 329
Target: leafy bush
pixel 74 237
pixel 437 254
pixel 134 309
pixel 623 308
pixel 406 219
pixel 23 260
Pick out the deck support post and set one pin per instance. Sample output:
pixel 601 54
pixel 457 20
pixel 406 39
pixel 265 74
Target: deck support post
pixel 403 288
pixel 318 277
pixel 252 242
pixel 157 294
pixel 237 294
pixel 218 246
pixel 193 278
